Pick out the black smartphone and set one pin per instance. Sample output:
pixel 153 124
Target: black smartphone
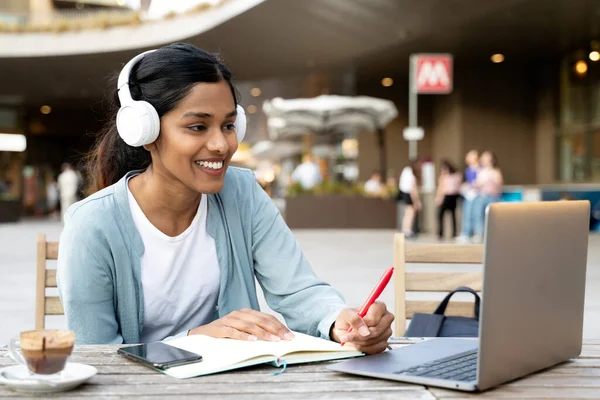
pixel 159 355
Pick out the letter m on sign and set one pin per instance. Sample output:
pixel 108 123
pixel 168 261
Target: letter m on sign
pixel 433 73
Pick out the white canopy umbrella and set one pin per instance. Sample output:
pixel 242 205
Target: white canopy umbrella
pixel 270 150
pixel 327 114
pixel 330 115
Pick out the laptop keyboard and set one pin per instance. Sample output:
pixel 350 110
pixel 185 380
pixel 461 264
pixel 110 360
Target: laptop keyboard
pixel 459 367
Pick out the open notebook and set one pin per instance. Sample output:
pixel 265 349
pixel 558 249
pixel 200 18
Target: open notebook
pixel 220 355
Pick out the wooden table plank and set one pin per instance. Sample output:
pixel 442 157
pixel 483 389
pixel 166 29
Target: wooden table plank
pixel 422 395
pixel 521 393
pixel 120 378
pixel 187 387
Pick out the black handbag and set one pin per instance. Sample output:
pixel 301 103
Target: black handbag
pixel 439 325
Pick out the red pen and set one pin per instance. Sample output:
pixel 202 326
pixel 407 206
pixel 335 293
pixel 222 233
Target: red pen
pixel 387 275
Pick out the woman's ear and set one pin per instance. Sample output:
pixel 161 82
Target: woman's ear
pixel 150 146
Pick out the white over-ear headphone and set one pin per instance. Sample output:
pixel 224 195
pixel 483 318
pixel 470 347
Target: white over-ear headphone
pixel 137 120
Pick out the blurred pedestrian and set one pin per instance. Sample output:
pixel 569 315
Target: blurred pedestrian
pixel 469 193
pixel 374 187
pixel 68 184
pixel 489 183
pixel 448 191
pixel 409 192
pixel 308 173
pixel 52 195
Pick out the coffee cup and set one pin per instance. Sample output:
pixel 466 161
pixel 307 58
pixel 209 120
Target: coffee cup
pixel 44 352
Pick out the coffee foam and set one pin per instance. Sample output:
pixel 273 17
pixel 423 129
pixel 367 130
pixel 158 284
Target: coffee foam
pixel 47 339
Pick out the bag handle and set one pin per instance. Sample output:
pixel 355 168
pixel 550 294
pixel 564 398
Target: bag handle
pixel 441 309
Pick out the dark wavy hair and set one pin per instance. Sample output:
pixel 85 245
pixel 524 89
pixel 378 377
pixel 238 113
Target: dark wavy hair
pixel 162 78
pixel 449 166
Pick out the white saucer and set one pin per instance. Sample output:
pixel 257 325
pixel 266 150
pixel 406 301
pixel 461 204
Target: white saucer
pixel 16 377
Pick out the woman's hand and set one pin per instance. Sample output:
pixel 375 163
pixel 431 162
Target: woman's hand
pixel 417 205
pixel 369 334
pixel 246 324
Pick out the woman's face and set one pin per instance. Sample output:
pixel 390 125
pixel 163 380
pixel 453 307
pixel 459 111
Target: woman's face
pixel 486 159
pixel 197 139
pixel 471 158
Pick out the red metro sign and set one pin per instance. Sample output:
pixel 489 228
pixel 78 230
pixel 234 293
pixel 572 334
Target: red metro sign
pixel 433 73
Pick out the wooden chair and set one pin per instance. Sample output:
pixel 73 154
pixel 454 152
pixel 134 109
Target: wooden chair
pixel 45 278
pixel 432 253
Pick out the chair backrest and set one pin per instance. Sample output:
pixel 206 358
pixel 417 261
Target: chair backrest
pixel 432 253
pixel 45 278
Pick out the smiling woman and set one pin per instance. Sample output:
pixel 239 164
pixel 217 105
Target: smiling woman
pixel 172 240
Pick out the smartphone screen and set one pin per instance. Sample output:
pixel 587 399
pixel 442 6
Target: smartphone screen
pixel 160 355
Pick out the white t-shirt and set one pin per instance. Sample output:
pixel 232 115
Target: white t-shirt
pixel 68 182
pixel 180 276
pixel 407 180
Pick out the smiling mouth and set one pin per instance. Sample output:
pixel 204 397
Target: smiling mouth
pixel 211 167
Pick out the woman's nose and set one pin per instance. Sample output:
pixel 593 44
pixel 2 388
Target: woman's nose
pixel 217 142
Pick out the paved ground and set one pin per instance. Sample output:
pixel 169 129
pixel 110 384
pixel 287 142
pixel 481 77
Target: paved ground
pixel 352 261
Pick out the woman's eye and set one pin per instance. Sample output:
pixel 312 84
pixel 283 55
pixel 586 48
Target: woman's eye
pixel 197 128
pixel 230 127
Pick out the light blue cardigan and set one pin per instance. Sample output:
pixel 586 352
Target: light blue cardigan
pixel 99 273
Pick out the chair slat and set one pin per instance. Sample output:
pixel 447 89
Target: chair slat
pixel 455 308
pixel 54 306
pixel 442 281
pixel 51 278
pixel 52 250
pixel 444 253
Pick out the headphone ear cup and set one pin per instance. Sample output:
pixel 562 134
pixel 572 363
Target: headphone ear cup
pixel 138 123
pixel 153 122
pixel 240 123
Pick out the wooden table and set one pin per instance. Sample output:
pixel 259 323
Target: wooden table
pixel 119 378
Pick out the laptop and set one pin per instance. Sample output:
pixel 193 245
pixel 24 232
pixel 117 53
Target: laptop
pixel 534 264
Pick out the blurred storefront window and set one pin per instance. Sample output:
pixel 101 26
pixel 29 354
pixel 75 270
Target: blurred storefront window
pixel 579 131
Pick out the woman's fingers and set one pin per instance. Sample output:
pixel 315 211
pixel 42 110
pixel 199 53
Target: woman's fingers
pixel 261 325
pixel 372 349
pixel 374 338
pixel 375 313
pixel 233 333
pixel 268 323
pixel 246 324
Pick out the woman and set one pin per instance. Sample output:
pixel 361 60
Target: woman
pixel 489 185
pixel 173 240
pixel 447 194
pixel 469 194
pixel 409 191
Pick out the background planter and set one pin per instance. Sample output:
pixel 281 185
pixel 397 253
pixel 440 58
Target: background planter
pixel 340 212
pixel 11 210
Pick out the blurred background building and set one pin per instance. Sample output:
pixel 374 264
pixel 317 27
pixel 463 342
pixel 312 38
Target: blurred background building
pixel 526 80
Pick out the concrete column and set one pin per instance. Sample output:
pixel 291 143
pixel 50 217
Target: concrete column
pixel 40 12
pixel 447 129
pixel 14 6
pixel 317 83
pixel 566 151
pixel 145 5
pixel 545 127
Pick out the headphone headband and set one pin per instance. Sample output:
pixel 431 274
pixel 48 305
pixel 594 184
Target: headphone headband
pixel 123 83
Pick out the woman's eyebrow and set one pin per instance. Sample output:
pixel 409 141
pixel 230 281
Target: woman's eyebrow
pixel 198 114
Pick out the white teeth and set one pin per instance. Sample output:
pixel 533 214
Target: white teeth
pixel 211 165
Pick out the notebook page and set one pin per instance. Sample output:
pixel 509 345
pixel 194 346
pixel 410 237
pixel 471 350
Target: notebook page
pixel 217 354
pixel 309 344
pixel 223 354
